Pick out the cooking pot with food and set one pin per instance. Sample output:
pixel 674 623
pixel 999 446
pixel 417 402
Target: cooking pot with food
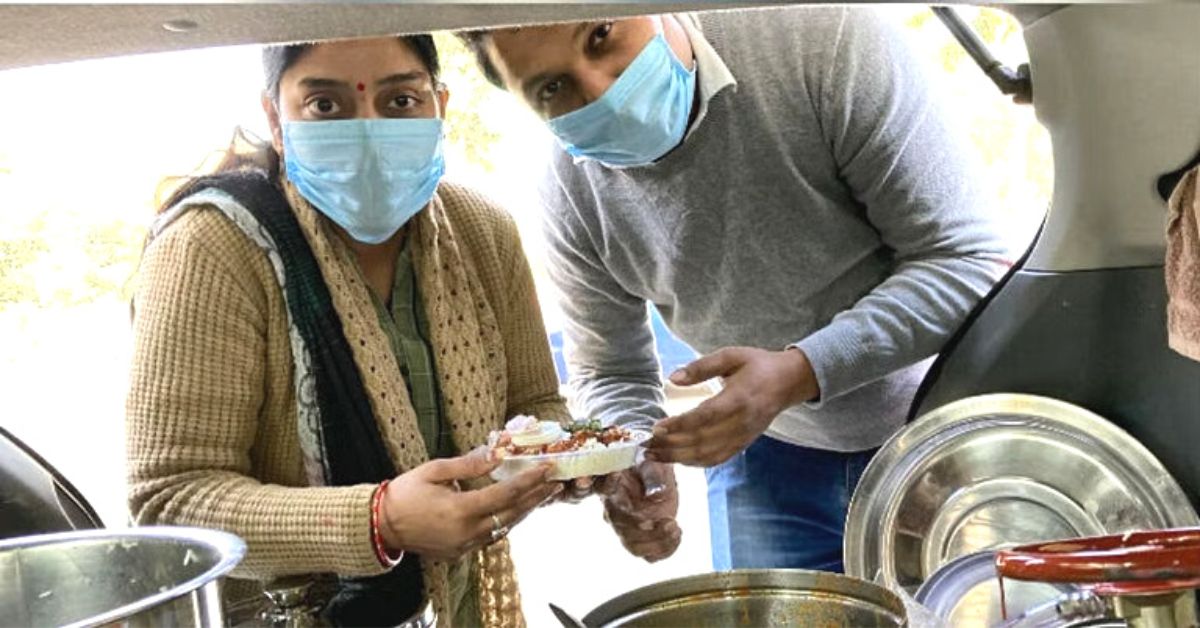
pixel 754 597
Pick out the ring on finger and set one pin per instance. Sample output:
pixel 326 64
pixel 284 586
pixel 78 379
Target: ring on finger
pixel 499 530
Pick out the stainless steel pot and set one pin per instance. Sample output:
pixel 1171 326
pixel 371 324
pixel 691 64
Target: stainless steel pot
pixel 160 576
pixel 291 602
pixel 966 592
pixel 998 470
pixel 754 597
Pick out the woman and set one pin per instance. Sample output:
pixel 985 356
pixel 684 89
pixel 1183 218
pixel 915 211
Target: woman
pixel 317 345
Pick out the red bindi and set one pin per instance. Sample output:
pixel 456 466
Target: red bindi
pixel 362 88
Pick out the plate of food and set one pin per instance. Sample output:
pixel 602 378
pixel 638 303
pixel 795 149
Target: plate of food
pixel 577 449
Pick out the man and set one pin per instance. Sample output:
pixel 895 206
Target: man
pixel 785 189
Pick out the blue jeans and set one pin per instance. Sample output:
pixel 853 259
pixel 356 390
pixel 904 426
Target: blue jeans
pixel 781 505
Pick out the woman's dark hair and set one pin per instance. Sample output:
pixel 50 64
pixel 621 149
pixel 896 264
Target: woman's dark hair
pixel 277 59
pixel 249 152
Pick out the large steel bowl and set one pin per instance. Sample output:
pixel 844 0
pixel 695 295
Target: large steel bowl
pixel 160 576
pixel 993 471
pixel 754 597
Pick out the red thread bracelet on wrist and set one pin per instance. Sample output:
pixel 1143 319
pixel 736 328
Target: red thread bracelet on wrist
pixel 386 558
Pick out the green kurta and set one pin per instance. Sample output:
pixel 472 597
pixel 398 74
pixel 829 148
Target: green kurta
pixel 407 327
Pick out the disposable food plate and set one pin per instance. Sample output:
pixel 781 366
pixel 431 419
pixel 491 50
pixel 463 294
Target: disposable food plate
pixel 575 464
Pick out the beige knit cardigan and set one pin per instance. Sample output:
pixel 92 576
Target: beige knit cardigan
pixel 1183 267
pixel 211 410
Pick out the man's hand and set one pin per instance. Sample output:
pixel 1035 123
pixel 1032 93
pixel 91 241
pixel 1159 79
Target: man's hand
pixel 579 489
pixel 645 523
pixel 758 385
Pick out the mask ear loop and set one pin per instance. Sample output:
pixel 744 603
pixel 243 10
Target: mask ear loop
pixel 660 29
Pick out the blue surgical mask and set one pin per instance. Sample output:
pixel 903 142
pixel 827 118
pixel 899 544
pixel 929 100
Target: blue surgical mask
pixel 370 176
pixel 640 117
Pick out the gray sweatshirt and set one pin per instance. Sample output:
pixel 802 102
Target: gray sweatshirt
pixel 821 200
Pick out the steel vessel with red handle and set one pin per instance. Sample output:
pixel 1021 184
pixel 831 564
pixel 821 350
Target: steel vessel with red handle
pixel 1150 577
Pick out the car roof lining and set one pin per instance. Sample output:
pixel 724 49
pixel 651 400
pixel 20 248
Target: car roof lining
pixel 43 34
pixel 38 34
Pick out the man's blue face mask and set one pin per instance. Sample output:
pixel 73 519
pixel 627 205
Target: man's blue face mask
pixel 640 117
pixel 370 176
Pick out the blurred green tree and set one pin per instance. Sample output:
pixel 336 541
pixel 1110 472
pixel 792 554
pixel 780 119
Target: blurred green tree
pixel 467 128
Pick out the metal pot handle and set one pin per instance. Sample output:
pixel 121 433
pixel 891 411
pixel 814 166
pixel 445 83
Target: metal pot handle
pixel 1134 563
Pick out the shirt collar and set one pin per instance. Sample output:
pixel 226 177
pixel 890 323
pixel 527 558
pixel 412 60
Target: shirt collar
pixel 711 71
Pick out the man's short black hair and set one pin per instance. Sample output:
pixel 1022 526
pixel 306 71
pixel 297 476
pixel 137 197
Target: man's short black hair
pixel 477 42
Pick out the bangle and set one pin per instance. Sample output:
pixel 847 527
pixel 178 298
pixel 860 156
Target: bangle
pixel 386 558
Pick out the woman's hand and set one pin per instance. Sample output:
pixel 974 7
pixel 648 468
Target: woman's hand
pixel 424 512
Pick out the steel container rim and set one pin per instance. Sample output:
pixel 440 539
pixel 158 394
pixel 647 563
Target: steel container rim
pixel 742 580
pixel 230 550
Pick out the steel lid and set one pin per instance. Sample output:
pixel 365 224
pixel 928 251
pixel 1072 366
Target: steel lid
pixel 996 470
pixel 966 592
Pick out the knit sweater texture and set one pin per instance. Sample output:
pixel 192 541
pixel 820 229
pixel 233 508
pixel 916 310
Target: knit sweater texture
pixel 825 201
pixel 211 410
